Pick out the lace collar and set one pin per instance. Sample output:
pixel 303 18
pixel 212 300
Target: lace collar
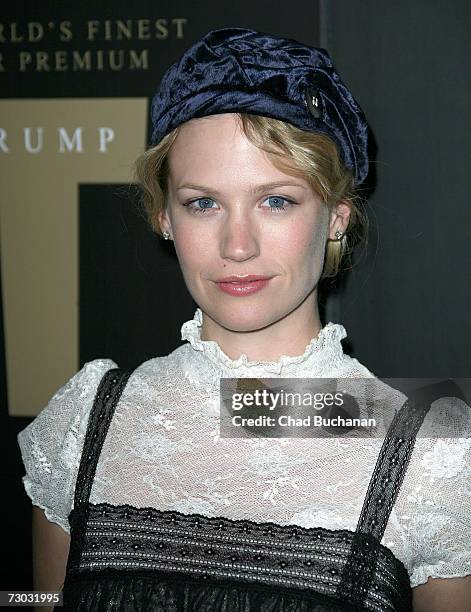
pixel 320 356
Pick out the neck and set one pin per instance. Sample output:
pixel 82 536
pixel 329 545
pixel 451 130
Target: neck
pixel 287 336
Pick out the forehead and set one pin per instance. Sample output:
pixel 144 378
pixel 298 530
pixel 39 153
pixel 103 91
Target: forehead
pixel 217 149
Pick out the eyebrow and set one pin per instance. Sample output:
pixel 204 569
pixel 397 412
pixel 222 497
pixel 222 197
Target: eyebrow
pixel 255 190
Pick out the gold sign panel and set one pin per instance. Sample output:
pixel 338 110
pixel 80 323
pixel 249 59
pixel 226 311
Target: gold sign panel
pixel 47 148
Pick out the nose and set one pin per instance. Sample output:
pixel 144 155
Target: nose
pixel 239 239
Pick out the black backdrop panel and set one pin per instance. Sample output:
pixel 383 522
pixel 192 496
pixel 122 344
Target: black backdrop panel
pixel 406 305
pixel 130 281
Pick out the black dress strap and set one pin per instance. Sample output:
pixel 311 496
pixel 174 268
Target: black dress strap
pixel 384 486
pixel 390 468
pixel 395 455
pixel 106 399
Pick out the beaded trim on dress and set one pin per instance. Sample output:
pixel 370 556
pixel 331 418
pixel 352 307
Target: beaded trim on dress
pixel 329 338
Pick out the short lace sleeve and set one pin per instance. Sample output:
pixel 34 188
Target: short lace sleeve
pixel 434 503
pixel 52 443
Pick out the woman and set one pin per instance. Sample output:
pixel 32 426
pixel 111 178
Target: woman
pixel 257 151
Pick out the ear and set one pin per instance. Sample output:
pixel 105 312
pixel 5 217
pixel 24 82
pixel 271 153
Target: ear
pixel 164 221
pixel 339 218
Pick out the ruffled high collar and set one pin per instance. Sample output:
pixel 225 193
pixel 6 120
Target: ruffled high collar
pixel 319 358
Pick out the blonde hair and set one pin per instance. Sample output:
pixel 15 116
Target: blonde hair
pixel 312 156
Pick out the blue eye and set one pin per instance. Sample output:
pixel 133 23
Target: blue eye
pixel 277 203
pixel 205 202
pixel 201 205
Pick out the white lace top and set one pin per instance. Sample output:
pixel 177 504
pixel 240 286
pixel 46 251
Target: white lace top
pixel 163 450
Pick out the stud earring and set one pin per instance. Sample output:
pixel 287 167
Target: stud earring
pixel 338 234
pixel 166 234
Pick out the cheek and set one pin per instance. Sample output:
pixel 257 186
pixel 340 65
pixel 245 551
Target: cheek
pixel 302 243
pixel 192 249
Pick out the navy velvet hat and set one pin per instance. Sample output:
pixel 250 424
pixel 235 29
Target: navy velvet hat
pixel 242 71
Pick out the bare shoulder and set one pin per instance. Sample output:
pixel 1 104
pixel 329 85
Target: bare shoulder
pixel 443 595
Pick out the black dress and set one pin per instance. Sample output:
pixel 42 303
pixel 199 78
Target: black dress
pixel 136 559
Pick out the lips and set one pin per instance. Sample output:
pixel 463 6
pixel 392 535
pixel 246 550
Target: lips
pixel 242 279
pixel 240 286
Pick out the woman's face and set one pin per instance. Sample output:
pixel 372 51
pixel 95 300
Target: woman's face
pixel 231 212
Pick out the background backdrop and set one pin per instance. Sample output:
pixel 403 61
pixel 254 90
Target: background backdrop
pixel 82 275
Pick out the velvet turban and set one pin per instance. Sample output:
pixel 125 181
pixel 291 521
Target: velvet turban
pixel 235 70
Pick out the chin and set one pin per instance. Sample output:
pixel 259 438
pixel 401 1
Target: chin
pixel 242 317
